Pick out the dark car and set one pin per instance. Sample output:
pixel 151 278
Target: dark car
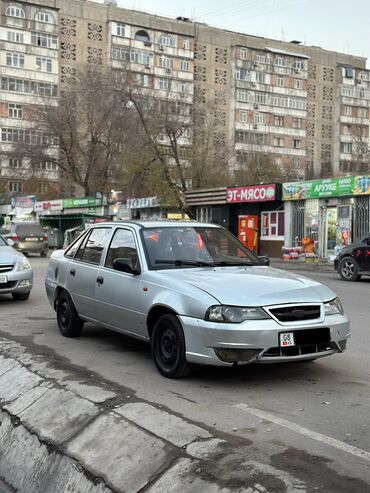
pixel 27 237
pixel 354 260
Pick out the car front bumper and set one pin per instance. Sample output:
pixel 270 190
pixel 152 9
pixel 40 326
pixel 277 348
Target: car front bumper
pixel 259 338
pixel 18 282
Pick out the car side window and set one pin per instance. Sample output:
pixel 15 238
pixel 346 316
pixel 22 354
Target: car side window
pixel 122 246
pixel 93 245
pixel 72 249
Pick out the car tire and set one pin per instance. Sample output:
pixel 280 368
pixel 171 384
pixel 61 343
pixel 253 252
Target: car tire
pixel 348 269
pixel 21 296
pixel 69 323
pixel 43 254
pixel 168 347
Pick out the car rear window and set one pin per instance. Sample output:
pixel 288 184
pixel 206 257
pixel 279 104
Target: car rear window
pixel 29 229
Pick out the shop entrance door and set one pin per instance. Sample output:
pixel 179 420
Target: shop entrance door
pixel 248 232
pixel 330 230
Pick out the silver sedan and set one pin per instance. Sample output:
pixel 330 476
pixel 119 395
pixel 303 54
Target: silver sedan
pixel 195 293
pixel 16 275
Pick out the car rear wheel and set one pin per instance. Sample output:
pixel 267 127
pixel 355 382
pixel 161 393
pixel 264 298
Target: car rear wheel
pixel 168 347
pixel 69 323
pixel 21 296
pixel 348 269
pixel 43 254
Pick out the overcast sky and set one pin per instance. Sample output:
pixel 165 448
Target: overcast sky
pixel 337 25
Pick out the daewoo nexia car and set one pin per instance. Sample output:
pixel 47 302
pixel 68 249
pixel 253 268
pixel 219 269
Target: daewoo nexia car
pixel 16 274
pixel 353 260
pixel 196 293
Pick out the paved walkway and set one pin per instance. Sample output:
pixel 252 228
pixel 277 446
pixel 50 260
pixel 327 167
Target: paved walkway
pixel 320 266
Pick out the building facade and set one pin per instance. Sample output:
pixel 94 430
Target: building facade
pixel 261 96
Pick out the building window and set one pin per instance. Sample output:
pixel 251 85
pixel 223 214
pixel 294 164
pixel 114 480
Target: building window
pixel 243 53
pixel 44 40
pixel 15 110
pixel 166 40
pixel 46 166
pixel 260 98
pixel 140 57
pixel 243 74
pixel 297 122
pixel 165 62
pixel 15 37
pixel 119 53
pixel 298 65
pixel 142 36
pixel 185 132
pixel 348 71
pixel 298 83
pixel 346 147
pixel 186 44
pixel 273 227
pixel 242 116
pixel 279 61
pixel 347 110
pixel 184 65
pixel 15 163
pixel 45 17
pixel 296 144
pixel 296 163
pixel 260 119
pixel 164 84
pixel 184 87
pixel 280 81
pixel 278 121
pixel 144 80
pixel 14 11
pixel 278 142
pixel 120 29
pixel 15 186
pixel 44 64
pixel 260 58
pixel 362 112
pixel 261 77
pixel 15 60
pixel 242 95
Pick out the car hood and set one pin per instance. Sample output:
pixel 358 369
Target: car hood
pixel 255 286
pixel 8 254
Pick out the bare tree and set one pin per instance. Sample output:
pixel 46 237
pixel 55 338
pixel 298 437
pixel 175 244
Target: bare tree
pixel 360 149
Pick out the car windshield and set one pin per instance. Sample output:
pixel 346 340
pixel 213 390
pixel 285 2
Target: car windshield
pixel 184 247
pixel 3 242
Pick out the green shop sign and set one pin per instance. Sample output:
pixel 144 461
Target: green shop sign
pixel 79 203
pixel 331 187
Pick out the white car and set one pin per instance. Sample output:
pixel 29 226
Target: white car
pixel 195 293
pixel 16 275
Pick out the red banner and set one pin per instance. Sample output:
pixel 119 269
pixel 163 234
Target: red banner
pixel 255 193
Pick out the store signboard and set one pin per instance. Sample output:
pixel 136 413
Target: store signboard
pixel 23 202
pixel 49 206
pixel 255 193
pixel 82 202
pixel 142 203
pixel 331 187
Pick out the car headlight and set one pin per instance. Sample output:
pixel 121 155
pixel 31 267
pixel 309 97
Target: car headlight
pixel 234 314
pixel 333 307
pixel 23 264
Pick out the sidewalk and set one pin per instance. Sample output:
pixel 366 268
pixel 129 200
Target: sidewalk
pixel 320 266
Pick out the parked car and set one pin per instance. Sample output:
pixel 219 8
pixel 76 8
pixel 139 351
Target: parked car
pixel 195 293
pixel 27 237
pixel 16 274
pixel 353 260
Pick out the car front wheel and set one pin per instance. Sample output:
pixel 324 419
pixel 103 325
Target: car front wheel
pixel 348 269
pixel 69 323
pixel 168 347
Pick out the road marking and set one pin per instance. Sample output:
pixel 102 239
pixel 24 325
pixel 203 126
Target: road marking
pixel 332 442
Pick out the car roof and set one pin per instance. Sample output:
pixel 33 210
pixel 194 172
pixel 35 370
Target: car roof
pixel 163 223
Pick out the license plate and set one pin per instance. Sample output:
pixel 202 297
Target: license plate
pixel 286 339
pixel 31 239
pixel 3 279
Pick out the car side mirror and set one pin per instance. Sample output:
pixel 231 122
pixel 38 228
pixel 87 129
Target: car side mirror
pixel 264 260
pixel 10 242
pixel 125 265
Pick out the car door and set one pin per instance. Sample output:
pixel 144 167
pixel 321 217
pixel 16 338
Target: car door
pixel 83 270
pixel 120 296
pixel 363 255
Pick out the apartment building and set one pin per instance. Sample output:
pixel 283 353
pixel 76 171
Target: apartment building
pixel 262 95
pixel 29 59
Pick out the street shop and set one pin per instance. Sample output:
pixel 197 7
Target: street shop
pixel 254 213
pixel 149 208
pixel 323 216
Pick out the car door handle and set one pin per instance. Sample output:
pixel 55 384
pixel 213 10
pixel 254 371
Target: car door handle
pixel 72 272
pixel 100 280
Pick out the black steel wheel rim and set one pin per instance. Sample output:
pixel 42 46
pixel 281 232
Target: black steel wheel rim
pixel 168 347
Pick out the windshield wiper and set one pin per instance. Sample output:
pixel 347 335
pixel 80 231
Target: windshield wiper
pixel 225 263
pixel 179 263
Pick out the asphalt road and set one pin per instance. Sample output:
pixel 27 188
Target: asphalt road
pixel 310 419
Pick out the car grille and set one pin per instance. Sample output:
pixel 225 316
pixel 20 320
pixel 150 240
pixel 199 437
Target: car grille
pixel 8 285
pixel 296 313
pixel 308 341
pixel 6 268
